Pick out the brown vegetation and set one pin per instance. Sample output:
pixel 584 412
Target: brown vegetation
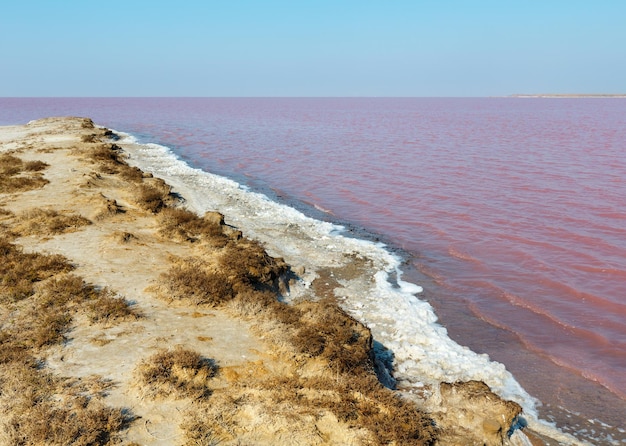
pixel 107 156
pixel 37 304
pixel 249 266
pixel 151 197
pixel 17 175
pixel 179 372
pixel 39 408
pixel 242 266
pixel 108 308
pixel 19 271
pixel 194 281
pixel 38 221
pixel 183 225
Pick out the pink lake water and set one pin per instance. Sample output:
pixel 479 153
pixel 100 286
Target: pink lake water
pixel 510 212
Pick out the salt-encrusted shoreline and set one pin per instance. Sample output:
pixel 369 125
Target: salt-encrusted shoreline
pixel 122 245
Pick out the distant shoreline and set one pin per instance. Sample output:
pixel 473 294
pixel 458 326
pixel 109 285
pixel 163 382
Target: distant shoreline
pixel 550 95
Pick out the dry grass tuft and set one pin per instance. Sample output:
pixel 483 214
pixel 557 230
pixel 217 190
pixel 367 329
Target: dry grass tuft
pixel 39 221
pixel 45 316
pixel 193 281
pixel 108 155
pixel 181 224
pixel 110 160
pixel 35 166
pixel 21 184
pixel 86 123
pixel 198 432
pixel 17 175
pixel 46 313
pixel 330 333
pixel 19 271
pixel 60 291
pixel 39 408
pixel 70 291
pixel 10 165
pixel 249 266
pixel 179 372
pixel 41 327
pixel 132 174
pixel 107 308
pixel 90 138
pixel 243 267
pixel 152 196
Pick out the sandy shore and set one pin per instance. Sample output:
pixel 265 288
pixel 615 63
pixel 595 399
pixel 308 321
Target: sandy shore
pixel 127 319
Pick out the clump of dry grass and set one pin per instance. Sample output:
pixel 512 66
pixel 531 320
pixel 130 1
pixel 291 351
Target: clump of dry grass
pixel 152 196
pixel 243 266
pixel 60 291
pixel 149 198
pixel 41 326
pixel 132 174
pixel 108 308
pixel 181 224
pixel 111 160
pixel 90 138
pixel 391 418
pixel 35 166
pixel 21 184
pixel 328 332
pixel 315 330
pixel 10 165
pixel 86 123
pixel 40 221
pixel 194 281
pixel 39 408
pixel 248 266
pixel 17 175
pixel 107 154
pixel 71 291
pixel 19 271
pixel 179 372
pixel 45 316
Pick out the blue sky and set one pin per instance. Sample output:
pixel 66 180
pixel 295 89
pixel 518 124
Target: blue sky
pixel 311 48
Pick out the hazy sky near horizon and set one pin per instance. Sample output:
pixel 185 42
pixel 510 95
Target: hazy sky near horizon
pixel 311 48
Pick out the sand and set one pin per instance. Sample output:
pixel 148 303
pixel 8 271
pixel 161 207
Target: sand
pixel 273 377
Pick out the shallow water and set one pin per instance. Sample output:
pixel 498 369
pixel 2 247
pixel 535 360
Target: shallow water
pixel 511 212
